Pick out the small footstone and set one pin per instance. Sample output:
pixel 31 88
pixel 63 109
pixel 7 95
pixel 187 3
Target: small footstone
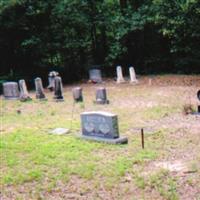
pixel 59 131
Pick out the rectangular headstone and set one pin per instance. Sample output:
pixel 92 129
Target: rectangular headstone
pixel 101 126
pixel 95 75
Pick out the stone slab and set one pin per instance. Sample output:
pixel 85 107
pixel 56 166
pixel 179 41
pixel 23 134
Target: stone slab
pixel 59 131
pixel 99 124
pixel 121 140
pixel 102 102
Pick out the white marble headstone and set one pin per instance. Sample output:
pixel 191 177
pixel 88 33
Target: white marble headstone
pixel 120 78
pixel 132 73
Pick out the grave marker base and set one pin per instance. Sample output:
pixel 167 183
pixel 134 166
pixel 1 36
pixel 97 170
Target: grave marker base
pixel 11 98
pixel 121 140
pixel 102 102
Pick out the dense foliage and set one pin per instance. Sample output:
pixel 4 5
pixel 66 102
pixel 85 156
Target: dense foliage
pixel 72 35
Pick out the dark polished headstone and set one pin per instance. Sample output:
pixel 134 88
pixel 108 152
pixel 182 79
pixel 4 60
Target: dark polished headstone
pixel 51 78
pixel 11 90
pixel 198 96
pixel 102 127
pixel 95 75
pixel 58 96
pixel 101 96
pixel 39 89
pixel 77 94
pixel 24 95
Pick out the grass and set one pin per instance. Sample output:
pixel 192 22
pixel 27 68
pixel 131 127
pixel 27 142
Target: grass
pixel 32 158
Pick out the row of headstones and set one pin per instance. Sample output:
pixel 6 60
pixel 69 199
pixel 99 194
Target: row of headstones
pixel 120 78
pixel 95 75
pixel 11 91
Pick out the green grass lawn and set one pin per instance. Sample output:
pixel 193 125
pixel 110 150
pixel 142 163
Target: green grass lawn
pixel 38 165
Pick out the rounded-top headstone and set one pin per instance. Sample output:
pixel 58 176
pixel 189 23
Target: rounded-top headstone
pixel 11 90
pixel 132 73
pixel 77 94
pixel 39 89
pixel 51 79
pixel 101 96
pixel 24 95
pixel 120 78
pixel 58 96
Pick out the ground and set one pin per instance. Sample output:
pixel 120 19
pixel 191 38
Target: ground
pixel 38 165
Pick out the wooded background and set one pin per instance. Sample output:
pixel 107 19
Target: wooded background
pixel 70 36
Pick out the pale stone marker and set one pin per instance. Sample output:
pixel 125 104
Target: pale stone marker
pixel 59 131
pixel 101 96
pixel 24 95
pixel 77 94
pixel 58 96
pixel 102 127
pixel 120 78
pixel 39 89
pixel 51 77
pixel 133 78
pixel 95 75
pixel 11 90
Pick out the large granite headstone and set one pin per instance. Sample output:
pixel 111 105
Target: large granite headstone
pixel 101 96
pixel 58 96
pixel 95 75
pixel 39 89
pixel 132 73
pixel 51 78
pixel 77 94
pixel 11 90
pixel 102 127
pixel 120 78
pixel 24 95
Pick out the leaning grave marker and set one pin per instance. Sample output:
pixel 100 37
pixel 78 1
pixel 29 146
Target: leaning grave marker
pixel 102 127
pixel 24 95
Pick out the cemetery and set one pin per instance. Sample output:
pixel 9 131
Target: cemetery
pixel 99 100
pixel 69 146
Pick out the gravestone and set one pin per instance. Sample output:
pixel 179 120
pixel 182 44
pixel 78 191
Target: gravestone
pixel 59 131
pixel 11 90
pixel 51 78
pixel 101 96
pixel 198 96
pixel 39 89
pixel 58 96
pixel 95 75
pixel 24 95
pixel 77 94
pixel 133 78
pixel 120 78
pixel 102 127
